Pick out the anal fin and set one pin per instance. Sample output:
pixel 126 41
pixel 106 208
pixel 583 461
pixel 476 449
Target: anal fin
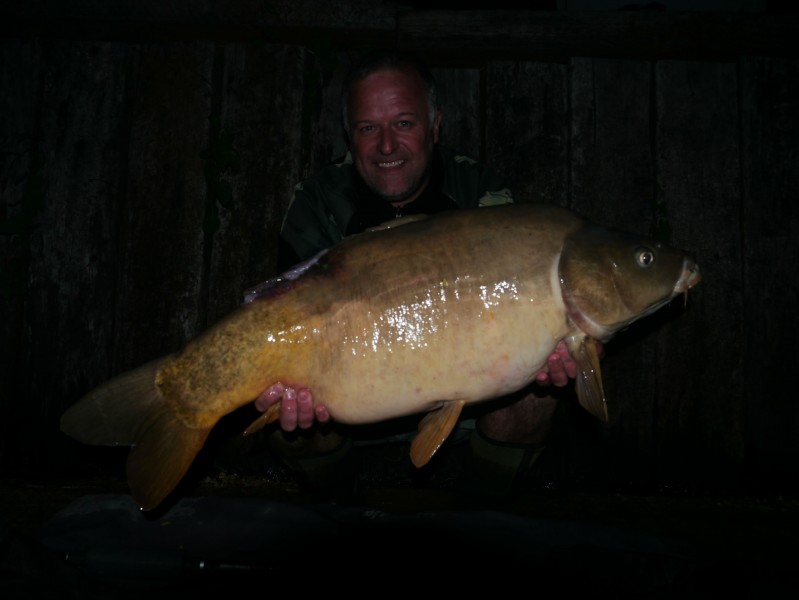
pixel 434 428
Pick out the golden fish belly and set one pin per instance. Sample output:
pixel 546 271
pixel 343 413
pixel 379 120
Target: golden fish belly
pixel 473 344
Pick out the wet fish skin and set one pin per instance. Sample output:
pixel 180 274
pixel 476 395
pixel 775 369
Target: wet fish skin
pixel 426 317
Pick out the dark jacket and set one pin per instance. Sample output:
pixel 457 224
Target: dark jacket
pixel 337 203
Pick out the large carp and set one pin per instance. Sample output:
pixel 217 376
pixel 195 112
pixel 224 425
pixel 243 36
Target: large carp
pixel 424 317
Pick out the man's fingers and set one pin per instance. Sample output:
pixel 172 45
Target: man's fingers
pixel 321 413
pixel 269 396
pixel 567 364
pixel 288 410
pixel 557 372
pixel 305 411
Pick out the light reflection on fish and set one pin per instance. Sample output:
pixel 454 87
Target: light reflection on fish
pixel 424 317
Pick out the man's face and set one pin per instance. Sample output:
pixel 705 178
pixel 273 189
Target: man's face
pixel 391 137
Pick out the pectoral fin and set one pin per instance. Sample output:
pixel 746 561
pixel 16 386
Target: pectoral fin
pixel 270 415
pixel 434 428
pixel 589 376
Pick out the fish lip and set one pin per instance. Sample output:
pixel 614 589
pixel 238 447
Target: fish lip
pixel 688 279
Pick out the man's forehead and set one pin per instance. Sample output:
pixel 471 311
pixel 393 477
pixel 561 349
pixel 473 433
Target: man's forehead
pixel 392 91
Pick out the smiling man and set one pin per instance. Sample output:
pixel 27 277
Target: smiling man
pixel 395 167
pixel 393 133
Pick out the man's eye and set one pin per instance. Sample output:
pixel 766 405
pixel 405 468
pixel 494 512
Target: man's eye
pixel 366 129
pixel 404 124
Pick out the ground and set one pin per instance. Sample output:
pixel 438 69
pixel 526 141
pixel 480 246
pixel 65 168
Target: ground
pixel 228 529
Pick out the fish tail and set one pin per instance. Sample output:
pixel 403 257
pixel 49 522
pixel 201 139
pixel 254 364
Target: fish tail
pixel 130 411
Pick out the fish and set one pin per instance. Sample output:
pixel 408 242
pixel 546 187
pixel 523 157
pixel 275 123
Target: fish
pixel 421 317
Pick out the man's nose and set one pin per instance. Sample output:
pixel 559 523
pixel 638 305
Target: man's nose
pixel 388 140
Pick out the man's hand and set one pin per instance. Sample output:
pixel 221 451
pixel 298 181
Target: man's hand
pixel 561 366
pixel 296 406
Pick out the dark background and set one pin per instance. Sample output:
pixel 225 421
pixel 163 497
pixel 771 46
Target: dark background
pixel 148 151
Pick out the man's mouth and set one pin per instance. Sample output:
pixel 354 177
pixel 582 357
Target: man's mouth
pixel 389 165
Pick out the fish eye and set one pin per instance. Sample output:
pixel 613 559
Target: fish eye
pixel 644 257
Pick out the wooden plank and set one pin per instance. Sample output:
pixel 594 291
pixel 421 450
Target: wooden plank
pixel 526 126
pixel 250 13
pixel 21 201
pixel 612 166
pixel 73 261
pixel 460 100
pixel 307 22
pixel 700 372
pixel 161 233
pixel 448 35
pixel 262 109
pixel 612 183
pixel 326 140
pixel 476 36
pixel 770 280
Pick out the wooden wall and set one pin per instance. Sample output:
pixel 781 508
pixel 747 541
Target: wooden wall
pixel 147 155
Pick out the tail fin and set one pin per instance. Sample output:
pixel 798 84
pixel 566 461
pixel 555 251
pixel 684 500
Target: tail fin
pixel 129 411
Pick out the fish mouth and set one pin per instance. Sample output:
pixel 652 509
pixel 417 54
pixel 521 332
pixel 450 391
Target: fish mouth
pixel 688 279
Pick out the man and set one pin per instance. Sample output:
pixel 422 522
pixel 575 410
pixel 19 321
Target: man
pixel 395 167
